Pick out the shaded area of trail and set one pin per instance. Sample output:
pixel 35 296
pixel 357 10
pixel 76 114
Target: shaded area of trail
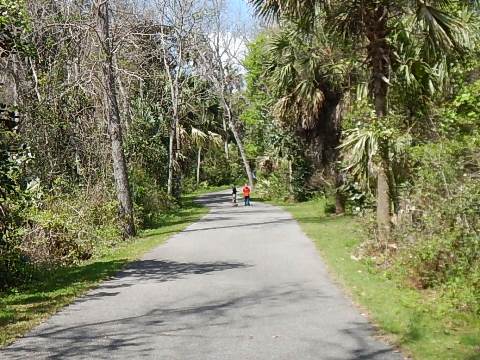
pixel 242 283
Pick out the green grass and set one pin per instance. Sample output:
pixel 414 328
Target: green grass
pixel 421 323
pixel 24 308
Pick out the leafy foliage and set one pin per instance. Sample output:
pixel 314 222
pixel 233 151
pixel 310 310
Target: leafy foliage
pixel 440 228
pixel 13 202
pixel 13 155
pixel 14 26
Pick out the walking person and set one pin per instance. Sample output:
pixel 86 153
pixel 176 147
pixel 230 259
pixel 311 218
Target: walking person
pixel 234 196
pixel 246 195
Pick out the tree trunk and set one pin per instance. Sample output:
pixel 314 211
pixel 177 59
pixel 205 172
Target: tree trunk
pixel 339 196
pixel 383 192
pixel 339 179
pixel 15 96
pixel 225 144
pixel 171 145
pixel 379 55
pixel 177 175
pixel 290 176
pixel 125 107
pixel 114 124
pixel 174 176
pixel 199 161
pixel 35 79
pixel 383 203
pixel 239 142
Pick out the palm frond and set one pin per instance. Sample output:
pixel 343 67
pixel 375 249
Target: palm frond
pixel 301 10
pixel 442 28
pixel 198 136
pixel 360 149
pixel 216 139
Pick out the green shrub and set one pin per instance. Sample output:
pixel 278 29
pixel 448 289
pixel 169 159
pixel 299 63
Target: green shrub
pixel 272 187
pixel 302 170
pixel 274 179
pixel 14 199
pixel 357 200
pixel 66 229
pixel 150 199
pixel 436 237
pixel 439 233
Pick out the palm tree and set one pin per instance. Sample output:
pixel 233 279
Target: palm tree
pixel 310 76
pixel 203 139
pixel 373 24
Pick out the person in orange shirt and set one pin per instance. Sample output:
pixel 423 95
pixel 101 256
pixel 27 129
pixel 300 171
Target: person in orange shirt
pixel 246 195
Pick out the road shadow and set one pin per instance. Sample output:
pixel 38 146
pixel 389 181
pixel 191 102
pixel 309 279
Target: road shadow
pixel 214 199
pixel 360 332
pixel 218 217
pixel 139 336
pixel 163 270
pixel 44 298
pixel 241 225
pixel 158 271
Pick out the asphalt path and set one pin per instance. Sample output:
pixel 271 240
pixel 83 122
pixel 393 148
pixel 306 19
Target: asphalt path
pixel 242 283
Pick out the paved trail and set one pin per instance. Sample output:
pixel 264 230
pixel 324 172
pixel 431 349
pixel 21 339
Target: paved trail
pixel 242 283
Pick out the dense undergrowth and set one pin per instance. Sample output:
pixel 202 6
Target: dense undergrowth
pixel 48 222
pixel 436 236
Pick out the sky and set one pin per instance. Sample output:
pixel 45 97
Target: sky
pixel 240 11
pixel 240 18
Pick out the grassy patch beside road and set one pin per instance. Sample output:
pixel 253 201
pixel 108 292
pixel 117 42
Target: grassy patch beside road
pixel 420 322
pixel 24 308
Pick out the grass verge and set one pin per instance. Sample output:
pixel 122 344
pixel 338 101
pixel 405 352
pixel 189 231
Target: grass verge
pixel 421 323
pixel 24 308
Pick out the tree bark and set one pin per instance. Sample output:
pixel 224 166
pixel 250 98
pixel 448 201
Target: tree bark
pixel 383 204
pixel 337 173
pixel 225 144
pixel 379 55
pixel 174 176
pixel 15 96
pixel 120 172
pixel 177 175
pixel 171 159
pixel 290 176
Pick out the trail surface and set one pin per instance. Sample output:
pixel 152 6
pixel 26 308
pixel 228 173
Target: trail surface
pixel 242 283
